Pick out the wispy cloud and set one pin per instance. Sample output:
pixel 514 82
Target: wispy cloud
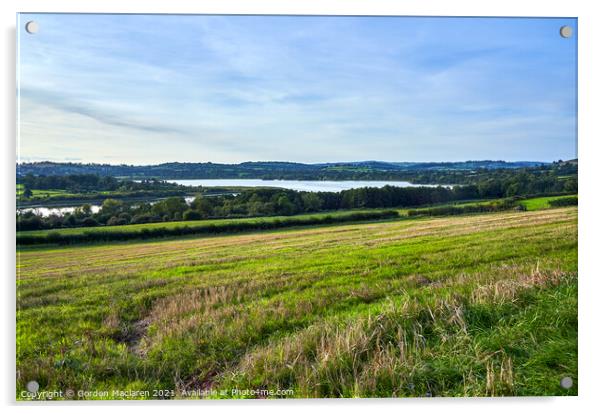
pixel 115 118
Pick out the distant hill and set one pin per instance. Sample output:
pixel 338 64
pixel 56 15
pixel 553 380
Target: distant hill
pixel 267 169
pixel 463 165
pixel 569 162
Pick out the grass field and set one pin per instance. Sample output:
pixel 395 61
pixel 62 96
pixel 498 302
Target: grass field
pixel 539 203
pixel 42 193
pixel 473 305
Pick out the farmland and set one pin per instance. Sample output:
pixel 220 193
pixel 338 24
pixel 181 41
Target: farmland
pixel 42 193
pixel 542 202
pixel 476 305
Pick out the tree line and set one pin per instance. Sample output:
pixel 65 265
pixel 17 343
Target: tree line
pixel 278 202
pixel 363 170
pixel 86 183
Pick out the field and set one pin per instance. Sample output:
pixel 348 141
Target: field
pixel 476 305
pixel 42 193
pixel 541 202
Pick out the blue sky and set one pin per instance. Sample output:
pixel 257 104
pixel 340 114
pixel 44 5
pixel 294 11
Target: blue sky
pixel 145 89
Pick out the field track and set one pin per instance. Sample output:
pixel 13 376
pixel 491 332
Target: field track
pixel 468 305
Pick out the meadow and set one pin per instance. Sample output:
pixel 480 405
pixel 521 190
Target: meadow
pixel 42 193
pixel 543 202
pixel 474 305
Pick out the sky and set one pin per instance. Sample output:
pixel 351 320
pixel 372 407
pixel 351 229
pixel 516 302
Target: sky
pixel 147 89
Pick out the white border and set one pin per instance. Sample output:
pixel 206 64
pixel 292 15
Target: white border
pixel 590 106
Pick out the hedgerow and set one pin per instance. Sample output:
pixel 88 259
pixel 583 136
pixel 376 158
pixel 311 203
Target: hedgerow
pixel 54 237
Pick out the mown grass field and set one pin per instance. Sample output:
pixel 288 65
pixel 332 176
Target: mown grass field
pixel 474 305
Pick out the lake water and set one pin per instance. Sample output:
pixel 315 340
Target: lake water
pixel 314 186
pixel 59 211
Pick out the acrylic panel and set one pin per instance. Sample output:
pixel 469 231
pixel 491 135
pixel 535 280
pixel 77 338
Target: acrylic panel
pixel 241 206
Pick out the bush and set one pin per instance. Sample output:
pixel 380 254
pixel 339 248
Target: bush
pixel 562 202
pixel 89 222
pixel 126 216
pixel 457 210
pixel 29 223
pixel 192 215
pixel 144 218
pixel 116 221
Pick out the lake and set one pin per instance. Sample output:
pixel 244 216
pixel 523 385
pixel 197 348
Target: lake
pixel 298 185
pixel 59 211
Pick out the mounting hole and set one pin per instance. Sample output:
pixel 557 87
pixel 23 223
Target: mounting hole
pixel 32 386
pixel 566 31
pixel 566 383
pixel 32 27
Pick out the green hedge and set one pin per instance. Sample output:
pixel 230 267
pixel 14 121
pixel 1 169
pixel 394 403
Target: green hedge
pixel 565 201
pixel 213 228
pixel 506 204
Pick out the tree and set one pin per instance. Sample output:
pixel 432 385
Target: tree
pixel 111 207
pixel 116 221
pixel 69 220
pixel 27 193
pixel 311 202
pixel 29 223
pixel 192 215
pixel 284 205
pixel 89 222
pixel 203 205
pixel 570 185
pixel 170 207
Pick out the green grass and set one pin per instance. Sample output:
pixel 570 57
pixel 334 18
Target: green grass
pixel 43 193
pixel 539 203
pixel 473 305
